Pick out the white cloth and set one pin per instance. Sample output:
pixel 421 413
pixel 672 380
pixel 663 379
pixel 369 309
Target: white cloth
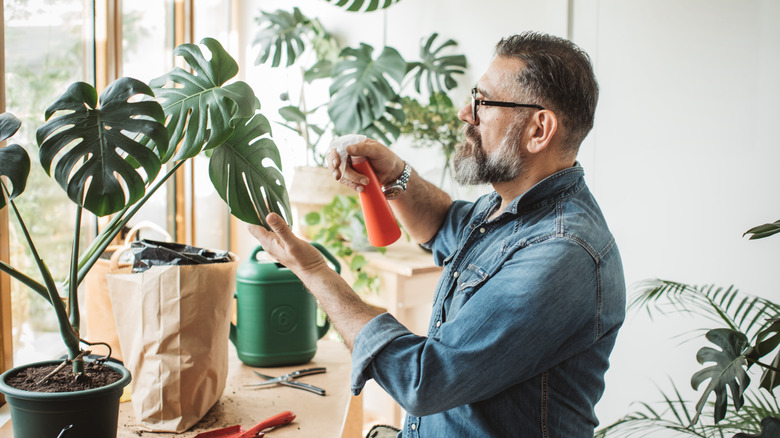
pixel 340 143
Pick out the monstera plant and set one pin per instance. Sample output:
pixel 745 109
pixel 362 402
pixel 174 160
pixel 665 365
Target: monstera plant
pixel 366 86
pixel 108 155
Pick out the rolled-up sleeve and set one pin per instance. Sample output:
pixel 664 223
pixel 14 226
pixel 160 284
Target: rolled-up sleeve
pixel 371 339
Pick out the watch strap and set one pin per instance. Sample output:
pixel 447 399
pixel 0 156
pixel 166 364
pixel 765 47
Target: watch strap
pixel 397 187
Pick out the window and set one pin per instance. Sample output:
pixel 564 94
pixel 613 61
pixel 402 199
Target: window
pixel 48 45
pixel 44 53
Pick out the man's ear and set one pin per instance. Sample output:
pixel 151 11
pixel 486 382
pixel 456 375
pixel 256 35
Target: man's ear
pixel 542 127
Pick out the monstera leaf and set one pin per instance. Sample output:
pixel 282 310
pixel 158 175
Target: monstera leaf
pixel 250 188
pixel 388 127
pixel 203 113
pixel 437 70
pixel 14 161
pixel 281 32
pixel 363 5
pixel 767 341
pixel 9 124
pixel 728 370
pixel 361 87
pixel 99 151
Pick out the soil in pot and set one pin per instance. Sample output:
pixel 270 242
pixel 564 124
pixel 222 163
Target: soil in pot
pixel 95 376
pixel 88 413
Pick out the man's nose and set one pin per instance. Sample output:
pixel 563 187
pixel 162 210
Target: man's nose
pixel 465 115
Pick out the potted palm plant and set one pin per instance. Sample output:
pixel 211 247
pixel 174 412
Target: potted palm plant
pixel 747 341
pixel 110 155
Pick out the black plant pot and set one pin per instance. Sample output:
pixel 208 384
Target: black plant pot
pixel 92 413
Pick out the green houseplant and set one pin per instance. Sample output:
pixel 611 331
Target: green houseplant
pixel 109 155
pixel 747 341
pixel 340 226
pixel 435 124
pixel 365 89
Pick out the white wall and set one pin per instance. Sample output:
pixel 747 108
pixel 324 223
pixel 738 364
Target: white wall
pixel 683 155
pixel 682 161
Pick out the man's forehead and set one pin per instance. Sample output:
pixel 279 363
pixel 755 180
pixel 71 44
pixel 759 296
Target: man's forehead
pixel 500 76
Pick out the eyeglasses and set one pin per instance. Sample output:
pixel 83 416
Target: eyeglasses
pixel 475 103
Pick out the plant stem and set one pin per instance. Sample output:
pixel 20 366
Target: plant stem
pixel 69 336
pixel 79 357
pixel 767 366
pixel 304 126
pixel 73 295
pixel 10 270
pixel 24 279
pixel 119 221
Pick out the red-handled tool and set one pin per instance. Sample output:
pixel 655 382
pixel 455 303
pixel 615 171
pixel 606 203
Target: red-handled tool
pixel 255 432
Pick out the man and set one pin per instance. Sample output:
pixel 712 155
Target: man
pixel 532 293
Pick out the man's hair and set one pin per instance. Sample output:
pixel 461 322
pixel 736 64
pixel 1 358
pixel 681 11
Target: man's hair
pixel 559 76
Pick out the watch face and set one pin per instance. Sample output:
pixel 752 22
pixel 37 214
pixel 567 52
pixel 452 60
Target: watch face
pixel 393 192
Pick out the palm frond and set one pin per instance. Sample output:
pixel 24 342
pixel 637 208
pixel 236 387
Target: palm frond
pixel 672 416
pixel 764 230
pixel 739 311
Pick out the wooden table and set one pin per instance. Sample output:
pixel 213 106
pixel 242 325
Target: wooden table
pixel 338 414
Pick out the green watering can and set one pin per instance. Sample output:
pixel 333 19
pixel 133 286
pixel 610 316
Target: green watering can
pixel 276 317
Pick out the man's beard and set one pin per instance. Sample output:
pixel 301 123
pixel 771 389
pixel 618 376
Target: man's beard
pixel 473 166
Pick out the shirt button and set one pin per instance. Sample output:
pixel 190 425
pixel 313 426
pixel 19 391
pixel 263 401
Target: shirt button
pixel 455 274
pixel 438 323
pixel 482 230
pixel 414 427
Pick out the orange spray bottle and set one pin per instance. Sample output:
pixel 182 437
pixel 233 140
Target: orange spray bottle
pixel 381 226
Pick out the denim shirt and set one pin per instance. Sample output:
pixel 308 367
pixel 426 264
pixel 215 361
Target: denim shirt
pixel 524 318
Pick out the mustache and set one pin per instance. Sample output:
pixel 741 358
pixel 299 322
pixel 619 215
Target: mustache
pixel 472 133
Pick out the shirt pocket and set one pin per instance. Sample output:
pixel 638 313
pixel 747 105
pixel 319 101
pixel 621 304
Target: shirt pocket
pixel 469 281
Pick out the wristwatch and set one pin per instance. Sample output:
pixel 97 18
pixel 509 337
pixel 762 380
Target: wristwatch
pixel 397 188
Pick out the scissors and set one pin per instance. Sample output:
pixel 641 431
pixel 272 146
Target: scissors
pixel 287 380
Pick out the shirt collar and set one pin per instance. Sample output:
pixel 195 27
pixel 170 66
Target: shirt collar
pixel 546 191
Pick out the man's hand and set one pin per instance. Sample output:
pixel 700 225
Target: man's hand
pixel 297 255
pixel 387 165
pixel 346 310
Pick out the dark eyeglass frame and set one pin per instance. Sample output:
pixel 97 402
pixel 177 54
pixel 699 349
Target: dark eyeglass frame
pixel 475 103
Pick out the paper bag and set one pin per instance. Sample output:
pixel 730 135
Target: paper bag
pixel 99 318
pixel 173 324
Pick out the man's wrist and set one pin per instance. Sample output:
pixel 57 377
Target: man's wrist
pixel 395 189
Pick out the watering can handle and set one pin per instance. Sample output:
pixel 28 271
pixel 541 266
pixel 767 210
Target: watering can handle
pixel 320 248
pixel 329 256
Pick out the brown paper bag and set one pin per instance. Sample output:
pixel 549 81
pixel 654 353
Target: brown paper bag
pixel 173 324
pixel 99 318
